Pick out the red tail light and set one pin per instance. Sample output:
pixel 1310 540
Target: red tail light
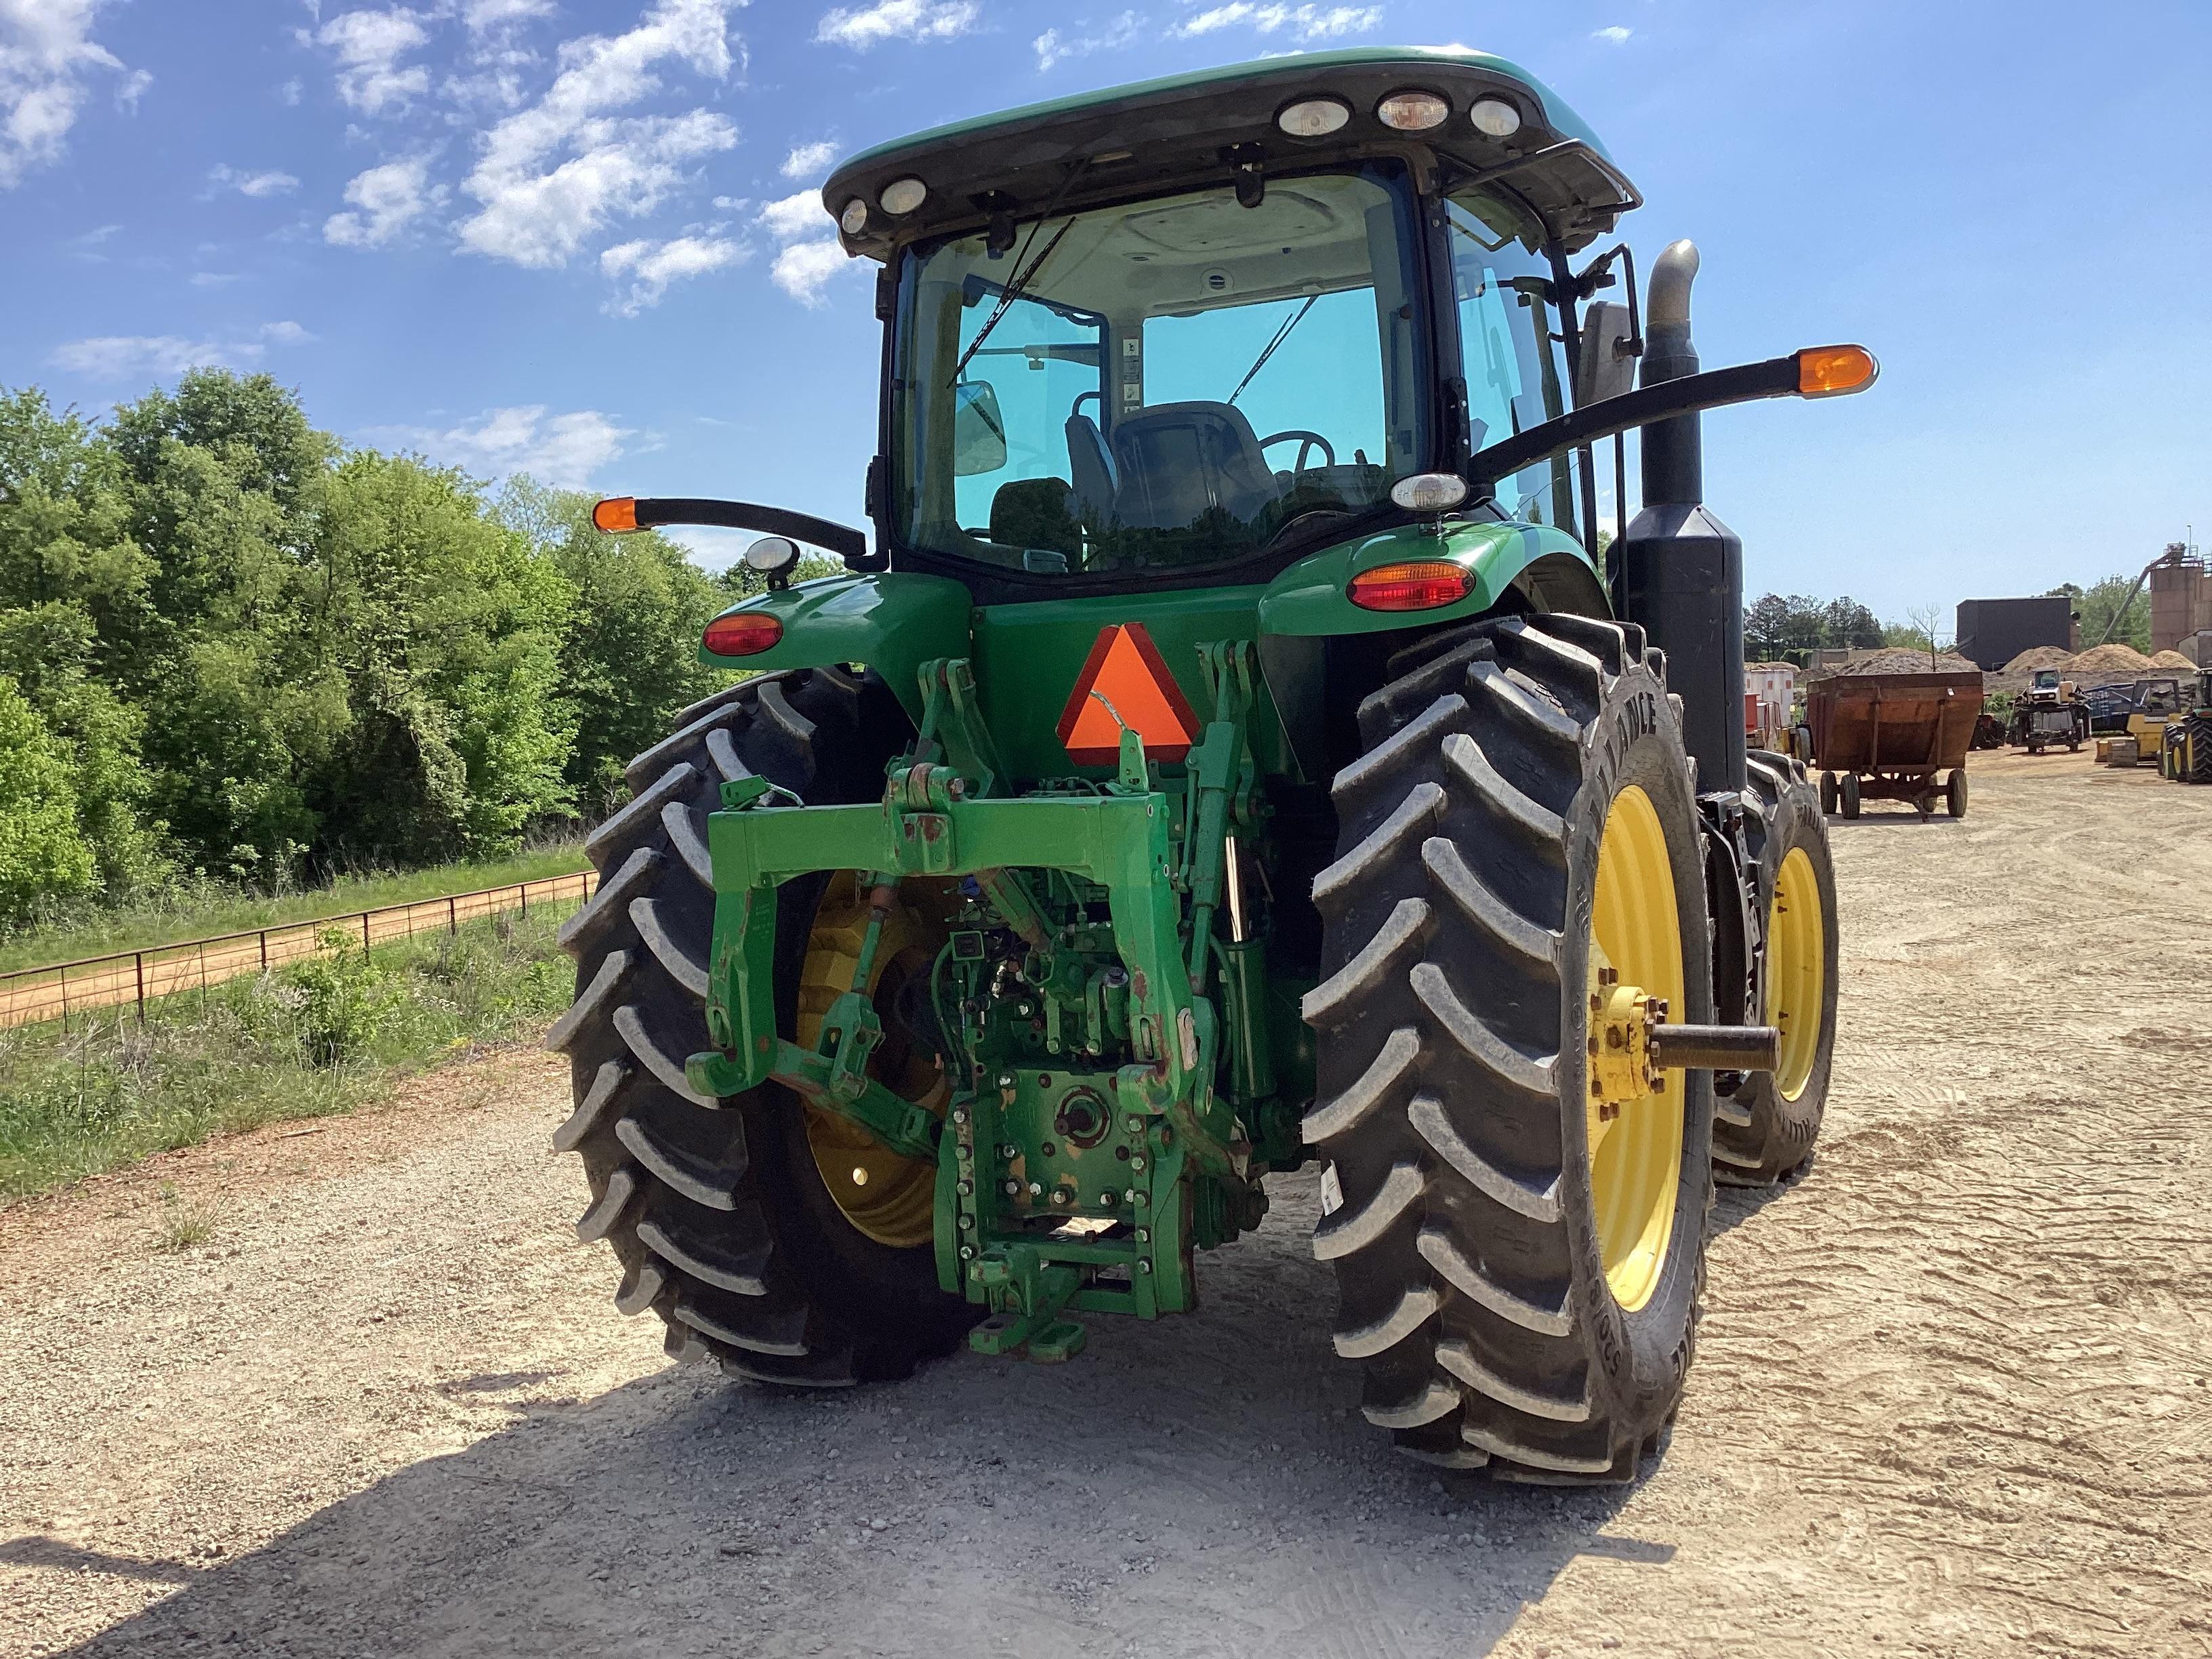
pixel 1422 585
pixel 743 634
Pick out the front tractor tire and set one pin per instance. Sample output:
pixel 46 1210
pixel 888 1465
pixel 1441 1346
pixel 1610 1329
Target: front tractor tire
pixel 1764 1129
pixel 718 1210
pixel 1518 1237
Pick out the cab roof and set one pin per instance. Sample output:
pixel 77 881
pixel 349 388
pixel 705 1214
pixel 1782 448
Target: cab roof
pixel 1187 130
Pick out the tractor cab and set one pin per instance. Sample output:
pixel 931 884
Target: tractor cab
pixel 1184 334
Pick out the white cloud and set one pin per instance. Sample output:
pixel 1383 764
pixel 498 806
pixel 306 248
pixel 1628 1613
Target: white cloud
pixel 490 16
pixel 126 356
pixel 271 183
pixel 1053 47
pixel 538 211
pixel 1302 22
pixel 804 270
pixel 897 20
pixel 368 46
pixel 389 198
pixel 1613 36
pixel 806 160
pixel 808 259
pixel 289 94
pixel 48 54
pixel 563 450
pixel 800 213
pixel 118 356
pixel 653 265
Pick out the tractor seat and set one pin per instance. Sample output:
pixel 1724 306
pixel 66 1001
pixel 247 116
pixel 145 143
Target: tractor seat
pixel 1037 513
pixel 1177 460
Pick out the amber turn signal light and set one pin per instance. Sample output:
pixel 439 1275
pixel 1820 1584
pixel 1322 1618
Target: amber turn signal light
pixel 743 634
pixel 1419 585
pixel 1831 371
pixel 615 515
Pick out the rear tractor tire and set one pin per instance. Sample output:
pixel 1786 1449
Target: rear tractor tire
pixel 1848 794
pixel 1764 1129
pixel 1519 1253
pixel 720 1212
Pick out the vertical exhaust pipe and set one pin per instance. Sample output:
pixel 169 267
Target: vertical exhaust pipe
pixel 1681 568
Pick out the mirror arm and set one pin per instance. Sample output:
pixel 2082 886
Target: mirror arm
pixel 1744 383
pixel 847 543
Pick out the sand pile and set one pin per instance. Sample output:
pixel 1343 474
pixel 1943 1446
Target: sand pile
pixel 2107 665
pixel 1901 659
pixel 2038 656
pixel 2174 660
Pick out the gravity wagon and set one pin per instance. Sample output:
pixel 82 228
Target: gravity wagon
pixel 1227 755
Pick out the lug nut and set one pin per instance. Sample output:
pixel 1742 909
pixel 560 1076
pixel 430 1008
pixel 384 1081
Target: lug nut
pixel 1108 1199
pixel 1144 1267
pixel 959 1114
pixel 967 1252
pixel 1144 1235
pixel 1137 1163
pixel 1014 1189
pixel 1061 1195
pixel 1006 1079
pixel 964 1188
pixel 1036 1189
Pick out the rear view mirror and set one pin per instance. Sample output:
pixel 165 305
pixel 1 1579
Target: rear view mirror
pixel 979 431
pixel 1608 364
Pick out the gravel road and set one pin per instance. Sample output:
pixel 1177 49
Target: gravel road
pixel 1953 1395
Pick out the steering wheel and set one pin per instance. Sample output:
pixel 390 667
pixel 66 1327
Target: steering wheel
pixel 1307 440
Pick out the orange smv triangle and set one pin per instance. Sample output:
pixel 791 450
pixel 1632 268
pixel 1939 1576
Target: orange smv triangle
pixel 1127 669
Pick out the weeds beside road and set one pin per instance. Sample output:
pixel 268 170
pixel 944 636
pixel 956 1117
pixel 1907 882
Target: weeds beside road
pixel 318 1037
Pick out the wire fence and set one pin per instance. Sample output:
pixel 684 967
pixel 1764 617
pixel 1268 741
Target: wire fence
pixel 58 990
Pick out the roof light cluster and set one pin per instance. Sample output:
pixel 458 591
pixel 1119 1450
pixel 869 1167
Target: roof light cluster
pixel 899 198
pixel 1412 110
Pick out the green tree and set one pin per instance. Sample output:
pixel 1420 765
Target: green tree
pixel 629 658
pixel 42 855
pixel 2101 602
pixel 446 628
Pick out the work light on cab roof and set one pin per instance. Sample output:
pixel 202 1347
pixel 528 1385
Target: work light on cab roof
pixel 1228 752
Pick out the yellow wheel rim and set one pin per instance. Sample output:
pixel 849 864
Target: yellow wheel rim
pixel 1636 1145
pixel 889 1198
pixel 1797 971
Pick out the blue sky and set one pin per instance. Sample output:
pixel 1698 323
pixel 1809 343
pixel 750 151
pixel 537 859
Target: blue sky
pixel 580 236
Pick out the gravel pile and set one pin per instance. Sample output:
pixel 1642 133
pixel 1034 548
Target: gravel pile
pixel 2107 665
pixel 1901 659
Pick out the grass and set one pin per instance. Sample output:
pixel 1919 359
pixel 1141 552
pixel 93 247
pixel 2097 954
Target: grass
pixel 320 1036
pixel 181 1225
pixel 200 911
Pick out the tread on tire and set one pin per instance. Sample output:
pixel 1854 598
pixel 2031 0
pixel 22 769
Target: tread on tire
pixel 1451 1018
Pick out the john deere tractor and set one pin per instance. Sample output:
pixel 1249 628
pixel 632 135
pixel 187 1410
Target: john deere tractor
pixel 1227 756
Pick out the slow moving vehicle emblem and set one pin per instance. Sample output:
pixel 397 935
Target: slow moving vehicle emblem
pixel 1126 669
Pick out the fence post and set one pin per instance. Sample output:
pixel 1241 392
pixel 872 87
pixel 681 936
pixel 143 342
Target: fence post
pixel 364 930
pixel 65 996
pixel 141 965
pixel 452 916
pixel 265 950
pixel 525 899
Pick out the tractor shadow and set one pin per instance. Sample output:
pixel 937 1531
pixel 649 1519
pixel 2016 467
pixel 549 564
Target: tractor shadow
pixel 1202 1486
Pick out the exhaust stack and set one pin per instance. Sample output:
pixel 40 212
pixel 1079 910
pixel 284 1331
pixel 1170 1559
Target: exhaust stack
pixel 1680 569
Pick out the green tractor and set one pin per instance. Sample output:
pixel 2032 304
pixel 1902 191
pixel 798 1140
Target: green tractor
pixel 1230 758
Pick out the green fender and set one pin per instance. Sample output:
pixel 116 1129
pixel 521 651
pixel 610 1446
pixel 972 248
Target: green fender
pixel 894 623
pixel 1308 598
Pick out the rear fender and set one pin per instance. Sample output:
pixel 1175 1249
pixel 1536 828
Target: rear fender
pixel 893 622
pixel 1548 565
pixel 1321 655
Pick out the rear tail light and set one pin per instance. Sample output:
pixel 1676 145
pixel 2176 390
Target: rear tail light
pixel 743 634
pixel 1421 584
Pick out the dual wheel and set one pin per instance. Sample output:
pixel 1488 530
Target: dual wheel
pixel 1514 1194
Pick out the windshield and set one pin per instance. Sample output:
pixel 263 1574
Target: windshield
pixel 1179 382
pixel 1514 363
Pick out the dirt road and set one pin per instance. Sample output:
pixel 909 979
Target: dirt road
pixel 1952 1396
